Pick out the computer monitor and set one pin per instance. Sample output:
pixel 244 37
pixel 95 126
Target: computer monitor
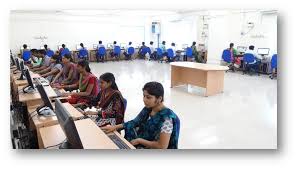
pixel 123 45
pixel 17 63
pixel 30 87
pixel 60 47
pixel 22 67
pixel 46 100
pixel 184 46
pixel 263 51
pixel 12 60
pixel 241 49
pixel 78 47
pixel 28 47
pixel 68 126
pixel 109 45
pixel 95 46
pixel 41 47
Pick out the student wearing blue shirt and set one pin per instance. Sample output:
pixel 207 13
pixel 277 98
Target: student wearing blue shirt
pixel 128 57
pixel 100 57
pixel 64 51
pixel 26 54
pixel 83 52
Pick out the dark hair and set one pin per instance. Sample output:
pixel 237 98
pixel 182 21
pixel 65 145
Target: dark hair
pixel 42 51
pixel 251 47
pixel 63 45
pixel 84 64
pixel 114 42
pixel 45 46
pixel 194 43
pixel 163 42
pixel 24 46
pixel 100 42
pixel 81 44
pixel 154 88
pixel 143 43
pixel 231 45
pixel 151 42
pixel 109 77
pixel 172 44
pixel 33 50
pixel 57 58
pixel 130 43
pixel 68 56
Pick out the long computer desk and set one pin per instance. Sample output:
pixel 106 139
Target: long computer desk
pixel 38 121
pixel 92 137
pixel 207 76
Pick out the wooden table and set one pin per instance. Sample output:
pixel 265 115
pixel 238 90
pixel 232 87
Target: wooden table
pixel 207 76
pixel 27 97
pixel 37 122
pixel 92 137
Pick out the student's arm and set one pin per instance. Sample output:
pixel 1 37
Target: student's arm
pixel 52 72
pixel 69 77
pixel 44 71
pixel 57 76
pixel 88 90
pixel 75 85
pixel 162 143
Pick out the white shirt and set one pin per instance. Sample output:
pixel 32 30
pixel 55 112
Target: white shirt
pixel 100 45
pixel 152 48
pixel 255 55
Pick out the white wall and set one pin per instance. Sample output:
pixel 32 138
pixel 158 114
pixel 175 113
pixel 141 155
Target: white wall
pixel 227 28
pixel 72 30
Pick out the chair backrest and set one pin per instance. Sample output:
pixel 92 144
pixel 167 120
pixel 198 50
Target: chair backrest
pixel 226 56
pixel 83 52
pixel 101 51
pixel 26 55
pixel 170 52
pixel 148 50
pixel 274 61
pixel 50 53
pixel 144 50
pixel 65 51
pixel 189 52
pixel 125 104
pixel 159 51
pixel 117 50
pixel 248 58
pixel 130 50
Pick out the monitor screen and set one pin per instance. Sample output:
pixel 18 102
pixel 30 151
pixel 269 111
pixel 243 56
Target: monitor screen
pixel 46 100
pixel 184 46
pixel 17 63
pixel 95 46
pixel 12 59
pixel 109 45
pixel 263 51
pixel 28 47
pixel 29 79
pixel 241 49
pixel 68 126
pixel 78 47
pixel 41 47
pixel 123 45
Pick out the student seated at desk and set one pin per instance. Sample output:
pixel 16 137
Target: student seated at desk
pixel 37 58
pixel 45 62
pixel 99 56
pixel 196 55
pixel 55 67
pixel 26 54
pixel 112 49
pixel 156 126
pixel 69 73
pixel 128 57
pixel 87 85
pixel 83 52
pixel 153 55
pixel 63 51
pixel 257 57
pixel 175 56
pixel 111 103
pixel 164 51
pixel 141 52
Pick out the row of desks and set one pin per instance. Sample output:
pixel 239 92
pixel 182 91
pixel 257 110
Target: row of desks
pixel 48 129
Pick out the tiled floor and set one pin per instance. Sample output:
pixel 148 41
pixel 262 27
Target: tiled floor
pixel 243 117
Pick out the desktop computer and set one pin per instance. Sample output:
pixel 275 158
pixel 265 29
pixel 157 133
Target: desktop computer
pixel 263 51
pixel 46 109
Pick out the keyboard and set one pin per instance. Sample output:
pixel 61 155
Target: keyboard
pixel 43 81
pixel 57 91
pixel 118 141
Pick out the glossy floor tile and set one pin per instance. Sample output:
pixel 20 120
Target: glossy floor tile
pixel 243 117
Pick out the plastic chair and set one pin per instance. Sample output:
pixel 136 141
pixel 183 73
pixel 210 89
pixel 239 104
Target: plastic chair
pixel 170 54
pixel 117 51
pixel 248 65
pixel 50 53
pixel 26 55
pixel 273 65
pixel 130 52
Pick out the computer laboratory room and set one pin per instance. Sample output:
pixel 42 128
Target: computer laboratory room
pixel 143 79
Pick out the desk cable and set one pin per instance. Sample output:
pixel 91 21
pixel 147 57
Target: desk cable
pixel 55 145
